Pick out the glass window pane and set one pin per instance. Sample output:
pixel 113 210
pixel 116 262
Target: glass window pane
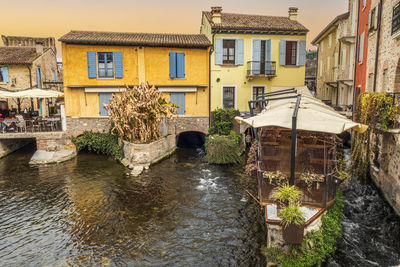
pixel 102 72
pixel 231 58
pixel 225 57
pixel 101 56
pixel 225 51
pixel 231 51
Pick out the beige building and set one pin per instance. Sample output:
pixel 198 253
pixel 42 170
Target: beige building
pixel 336 59
pixel 27 65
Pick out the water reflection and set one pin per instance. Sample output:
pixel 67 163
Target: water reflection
pixel 87 211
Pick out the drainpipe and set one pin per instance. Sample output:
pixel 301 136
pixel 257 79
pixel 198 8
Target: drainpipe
pixel 209 79
pixel 378 37
pixel 356 61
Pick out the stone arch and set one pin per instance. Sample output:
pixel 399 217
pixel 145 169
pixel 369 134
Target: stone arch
pixel 191 138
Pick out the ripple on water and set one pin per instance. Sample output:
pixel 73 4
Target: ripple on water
pixel 87 212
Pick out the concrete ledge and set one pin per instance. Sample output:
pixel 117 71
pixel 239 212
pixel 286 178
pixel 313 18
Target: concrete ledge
pixel 48 157
pixel 27 135
pixel 140 156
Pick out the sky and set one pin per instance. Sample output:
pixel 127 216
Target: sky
pixel 53 18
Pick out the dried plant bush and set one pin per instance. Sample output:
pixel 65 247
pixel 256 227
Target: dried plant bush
pixel 137 113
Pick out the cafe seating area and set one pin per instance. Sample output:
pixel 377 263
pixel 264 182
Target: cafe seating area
pixel 27 123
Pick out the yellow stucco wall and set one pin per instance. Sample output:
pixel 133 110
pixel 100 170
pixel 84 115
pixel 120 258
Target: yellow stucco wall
pixel 146 64
pixel 236 75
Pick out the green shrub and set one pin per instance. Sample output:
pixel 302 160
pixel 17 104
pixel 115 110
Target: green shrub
pixel 323 241
pixel 292 215
pixel 222 123
pixel 224 149
pixel 287 194
pixel 106 144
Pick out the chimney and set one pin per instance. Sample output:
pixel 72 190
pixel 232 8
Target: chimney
pixel 293 13
pixel 216 14
pixel 39 47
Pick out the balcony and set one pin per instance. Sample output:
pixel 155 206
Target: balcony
pixel 261 69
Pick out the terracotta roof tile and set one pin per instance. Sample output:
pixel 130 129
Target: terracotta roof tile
pixel 144 39
pixel 230 21
pixel 17 55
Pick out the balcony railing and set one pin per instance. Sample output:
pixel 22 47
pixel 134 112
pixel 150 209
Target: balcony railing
pixel 261 68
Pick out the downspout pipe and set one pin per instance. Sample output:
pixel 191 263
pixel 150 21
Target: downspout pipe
pixel 356 62
pixel 209 79
pixel 378 37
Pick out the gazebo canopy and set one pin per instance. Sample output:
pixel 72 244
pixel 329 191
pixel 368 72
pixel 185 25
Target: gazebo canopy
pixel 31 93
pixel 313 115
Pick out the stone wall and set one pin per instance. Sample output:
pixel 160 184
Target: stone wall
pixel 385 165
pixel 8 146
pixel 140 156
pixel 53 149
pixel 76 126
pixel 186 123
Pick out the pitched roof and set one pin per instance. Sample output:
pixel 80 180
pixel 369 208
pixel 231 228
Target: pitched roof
pixel 230 21
pixel 329 26
pixel 144 39
pixel 17 55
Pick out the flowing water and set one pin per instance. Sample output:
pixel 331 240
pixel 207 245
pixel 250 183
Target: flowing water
pixel 86 211
pixel 181 212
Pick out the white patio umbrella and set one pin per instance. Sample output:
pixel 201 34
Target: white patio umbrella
pixel 36 93
pixel 313 115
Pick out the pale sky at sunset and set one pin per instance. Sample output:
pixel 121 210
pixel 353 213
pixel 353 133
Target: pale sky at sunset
pixel 45 18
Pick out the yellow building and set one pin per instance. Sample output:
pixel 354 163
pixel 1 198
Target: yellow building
pixel 252 55
pixel 98 64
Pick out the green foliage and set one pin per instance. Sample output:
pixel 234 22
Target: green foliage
pixel 223 121
pixel 224 149
pixel 278 177
pixel 323 241
pixel 106 144
pixel 378 111
pixel 287 194
pixel 292 214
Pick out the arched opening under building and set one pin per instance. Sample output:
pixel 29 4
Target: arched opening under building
pixel 191 139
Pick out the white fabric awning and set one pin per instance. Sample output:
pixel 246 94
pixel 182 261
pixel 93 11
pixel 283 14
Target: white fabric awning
pixel 31 93
pixel 313 115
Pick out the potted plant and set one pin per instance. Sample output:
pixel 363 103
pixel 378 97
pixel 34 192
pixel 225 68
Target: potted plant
pixel 286 194
pixel 293 223
pixel 275 177
pixel 312 178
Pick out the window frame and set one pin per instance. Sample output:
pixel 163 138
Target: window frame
pixel 1 76
pixel 105 65
pixel 228 62
pixel 295 44
pixel 396 17
pixel 253 87
pixel 234 95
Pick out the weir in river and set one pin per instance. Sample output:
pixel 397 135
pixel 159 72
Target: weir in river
pixel 180 212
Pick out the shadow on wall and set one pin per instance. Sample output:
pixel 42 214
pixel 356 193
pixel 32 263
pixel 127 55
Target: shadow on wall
pixel 191 139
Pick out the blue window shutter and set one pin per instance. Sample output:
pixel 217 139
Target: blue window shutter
pixel 282 53
pixel 91 61
pixel 104 98
pixel 4 72
pixel 218 51
pixel 178 99
pixel 239 52
pixel 268 44
pixel 38 78
pixel 302 53
pixel 118 65
pixel 180 61
pixel 54 76
pixel 256 56
pixel 172 65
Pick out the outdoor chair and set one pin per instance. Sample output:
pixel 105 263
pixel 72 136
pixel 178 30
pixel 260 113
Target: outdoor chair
pixel 36 124
pixel 21 124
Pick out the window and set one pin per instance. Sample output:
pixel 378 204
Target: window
pixel 361 48
pixel 54 76
pixel 105 65
pixel 350 96
pixel 176 65
pixel 341 96
pixel 258 91
pixel 39 77
pixel 321 65
pixel 291 52
pixel 228 97
pixel 396 19
pixel 372 20
pixel 228 52
pixel 327 93
pixel 4 74
pixel 178 99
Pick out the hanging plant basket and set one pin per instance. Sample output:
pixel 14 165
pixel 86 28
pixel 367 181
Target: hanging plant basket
pixel 293 234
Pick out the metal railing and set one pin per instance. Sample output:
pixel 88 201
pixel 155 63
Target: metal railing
pixel 261 68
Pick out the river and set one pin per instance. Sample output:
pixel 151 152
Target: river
pixel 181 212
